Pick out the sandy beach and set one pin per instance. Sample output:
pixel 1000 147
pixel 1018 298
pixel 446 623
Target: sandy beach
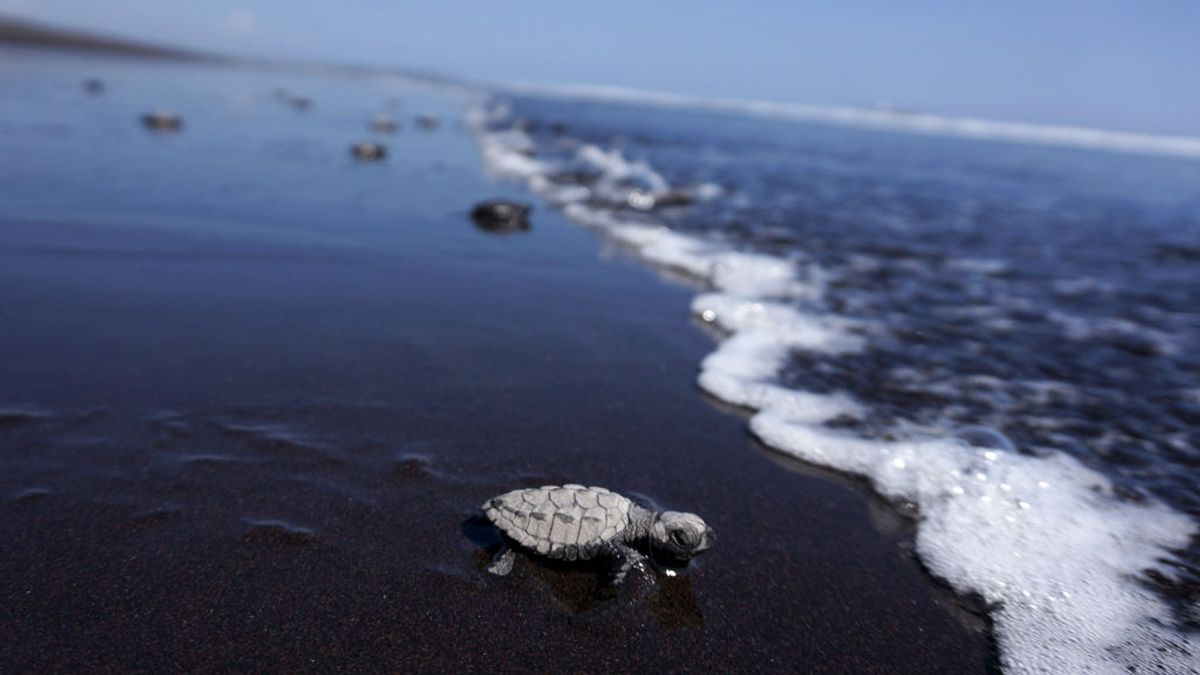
pixel 254 391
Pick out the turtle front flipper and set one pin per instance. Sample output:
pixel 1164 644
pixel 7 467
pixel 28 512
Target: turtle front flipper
pixel 624 560
pixel 502 562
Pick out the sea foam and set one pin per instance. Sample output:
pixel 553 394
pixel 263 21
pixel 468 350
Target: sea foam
pixel 1055 555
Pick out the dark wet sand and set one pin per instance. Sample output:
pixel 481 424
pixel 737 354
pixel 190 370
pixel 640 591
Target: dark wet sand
pixel 250 440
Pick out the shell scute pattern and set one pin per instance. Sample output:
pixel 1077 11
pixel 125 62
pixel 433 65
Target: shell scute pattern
pixel 586 499
pixel 562 497
pixel 591 524
pixel 607 499
pixel 566 522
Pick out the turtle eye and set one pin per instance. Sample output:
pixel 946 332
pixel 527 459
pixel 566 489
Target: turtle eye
pixel 679 537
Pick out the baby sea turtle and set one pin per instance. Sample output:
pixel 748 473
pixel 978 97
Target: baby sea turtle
pixel 573 522
pixel 498 215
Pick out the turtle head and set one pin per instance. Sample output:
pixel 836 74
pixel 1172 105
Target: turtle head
pixel 679 537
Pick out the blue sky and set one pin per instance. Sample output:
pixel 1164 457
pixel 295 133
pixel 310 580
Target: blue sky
pixel 1122 65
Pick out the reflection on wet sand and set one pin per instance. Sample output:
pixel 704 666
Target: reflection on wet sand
pixel 581 590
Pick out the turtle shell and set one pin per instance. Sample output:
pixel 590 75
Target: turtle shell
pixel 568 522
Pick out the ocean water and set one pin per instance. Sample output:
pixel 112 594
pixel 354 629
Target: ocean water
pixel 1001 337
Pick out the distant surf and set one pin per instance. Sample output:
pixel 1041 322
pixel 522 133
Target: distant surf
pixel 889 119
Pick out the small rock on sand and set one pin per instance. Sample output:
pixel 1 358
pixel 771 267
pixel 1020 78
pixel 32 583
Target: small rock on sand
pixel 383 124
pixel 368 152
pixel 162 120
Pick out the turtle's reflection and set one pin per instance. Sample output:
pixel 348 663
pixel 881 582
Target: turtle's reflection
pixel 674 605
pixel 581 588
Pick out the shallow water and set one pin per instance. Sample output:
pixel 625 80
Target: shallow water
pixel 253 392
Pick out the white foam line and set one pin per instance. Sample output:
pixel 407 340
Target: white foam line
pixel 891 120
pixel 1044 541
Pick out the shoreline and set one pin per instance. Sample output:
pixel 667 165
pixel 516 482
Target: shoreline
pixel 255 449
pixel 967 493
